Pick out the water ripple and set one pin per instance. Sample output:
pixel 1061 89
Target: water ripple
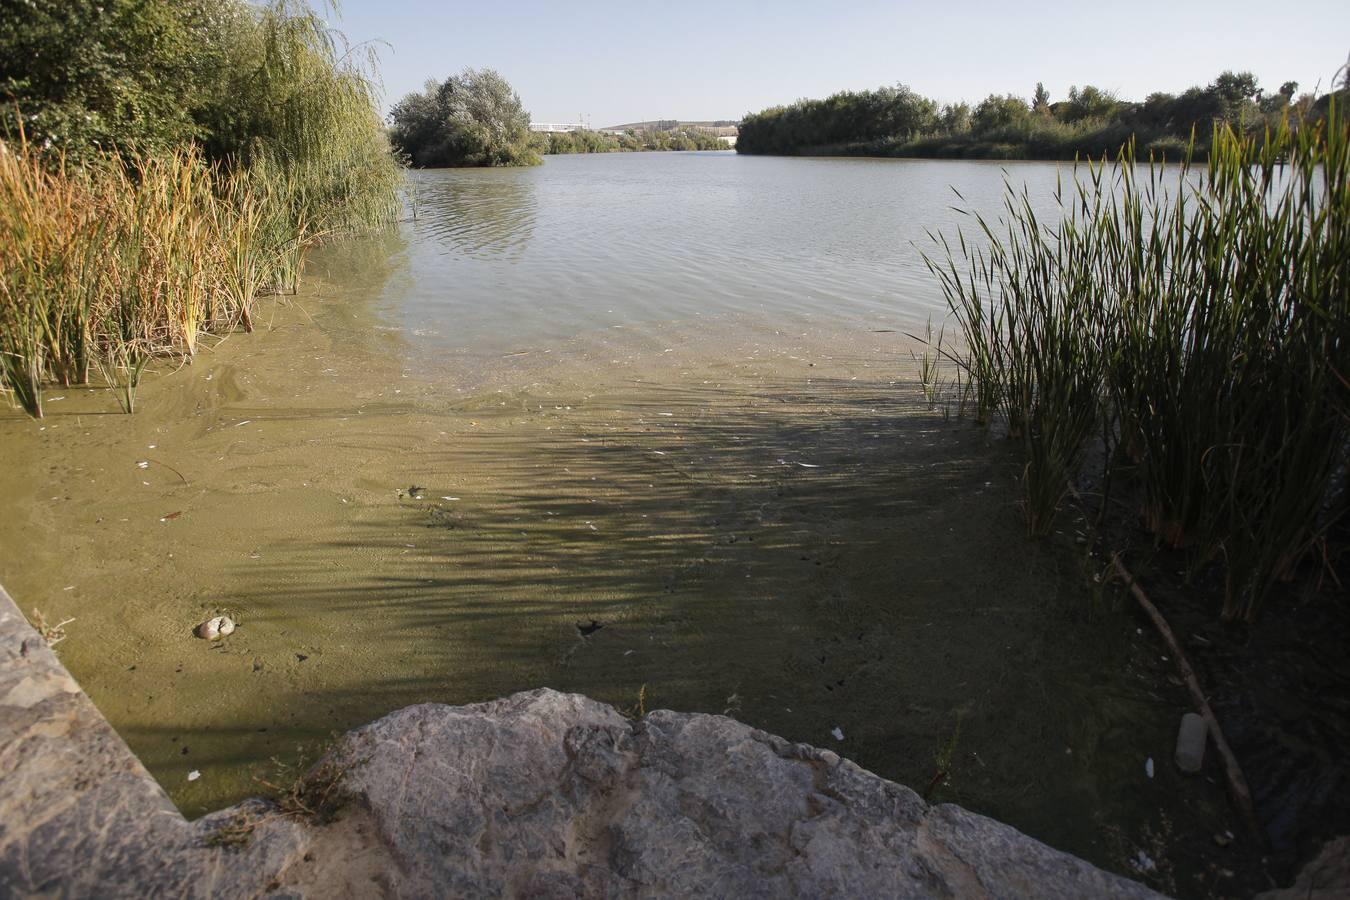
pixel 512 257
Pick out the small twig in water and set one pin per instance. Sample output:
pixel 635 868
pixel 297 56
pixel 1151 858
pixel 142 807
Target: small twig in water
pixel 52 634
pixel 169 467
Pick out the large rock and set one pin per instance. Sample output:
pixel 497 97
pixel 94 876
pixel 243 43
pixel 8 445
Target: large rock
pixel 553 794
pixel 541 794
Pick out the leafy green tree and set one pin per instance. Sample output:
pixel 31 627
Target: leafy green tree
pixel 269 84
pixel 112 74
pixel 1280 101
pixel 954 118
pixel 1040 101
pixel 849 117
pixel 1003 115
pixel 1088 103
pixel 1236 93
pixel 471 119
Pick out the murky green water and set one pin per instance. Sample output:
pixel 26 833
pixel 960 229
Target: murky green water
pixel 669 393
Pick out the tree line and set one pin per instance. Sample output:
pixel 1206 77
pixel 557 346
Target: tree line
pixel 896 121
pixel 632 140
pixel 475 118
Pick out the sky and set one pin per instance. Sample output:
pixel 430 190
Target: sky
pixel 608 63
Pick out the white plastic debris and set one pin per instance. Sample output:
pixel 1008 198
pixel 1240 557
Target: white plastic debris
pixel 838 733
pixel 216 628
pixel 1143 863
pixel 194 775
pixel 1148 767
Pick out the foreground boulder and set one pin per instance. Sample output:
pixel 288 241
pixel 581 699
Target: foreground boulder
pixel 556 795
pixel 540 794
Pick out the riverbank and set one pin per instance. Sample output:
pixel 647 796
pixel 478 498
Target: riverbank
pixel 773 526
pixel 1089 123
pixel 965 147
pixel 351 826
pixel 674 459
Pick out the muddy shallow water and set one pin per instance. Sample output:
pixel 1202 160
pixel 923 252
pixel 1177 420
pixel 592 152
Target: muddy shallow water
pixel 759 511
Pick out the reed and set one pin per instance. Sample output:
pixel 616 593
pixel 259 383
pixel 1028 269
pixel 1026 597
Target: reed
pixel 132 255
pixel 1198 316
pixel 929 361
pixel 48 239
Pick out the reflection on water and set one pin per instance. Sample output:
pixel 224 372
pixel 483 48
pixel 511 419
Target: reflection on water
pixel 367 270
pixel 489 215
pixel 623 245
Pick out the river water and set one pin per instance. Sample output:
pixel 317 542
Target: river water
pixel 669 395
pixel 502 259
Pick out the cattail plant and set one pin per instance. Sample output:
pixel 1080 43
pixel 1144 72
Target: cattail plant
pixel 1198 316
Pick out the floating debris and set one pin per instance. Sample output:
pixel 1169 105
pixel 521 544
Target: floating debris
pixel 52 634
pixel 1143 863
pixel 194 775
pixel 1148 767
pixel 588 630
pixel 838 733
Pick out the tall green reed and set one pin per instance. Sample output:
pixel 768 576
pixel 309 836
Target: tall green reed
pixel 1195 315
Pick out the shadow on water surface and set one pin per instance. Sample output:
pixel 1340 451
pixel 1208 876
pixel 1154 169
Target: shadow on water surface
pixel 804 557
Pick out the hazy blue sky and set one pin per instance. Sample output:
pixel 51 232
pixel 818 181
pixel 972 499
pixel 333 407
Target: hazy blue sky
pixel 623 62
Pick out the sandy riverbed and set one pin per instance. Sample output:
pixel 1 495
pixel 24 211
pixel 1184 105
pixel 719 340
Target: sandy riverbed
pixel 768 524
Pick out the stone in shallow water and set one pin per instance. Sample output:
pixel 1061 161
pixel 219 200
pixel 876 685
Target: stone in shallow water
pixel 215 628
pixel 1191 739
